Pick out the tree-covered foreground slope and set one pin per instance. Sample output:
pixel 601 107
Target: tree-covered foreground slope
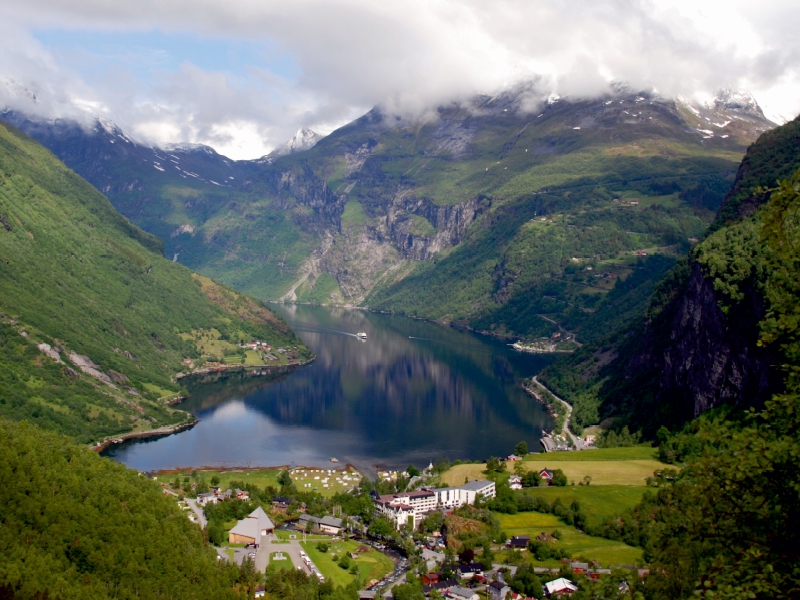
pixel 726 526
pixel 94 323
pixel 75 525
pixel 700 344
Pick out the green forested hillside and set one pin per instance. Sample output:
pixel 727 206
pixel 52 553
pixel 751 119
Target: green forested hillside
pixel 702 341
pixel 726 526
pixel 113 320
pixel 75 525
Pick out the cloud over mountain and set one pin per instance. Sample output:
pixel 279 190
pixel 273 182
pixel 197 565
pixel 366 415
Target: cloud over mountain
pixel 312 63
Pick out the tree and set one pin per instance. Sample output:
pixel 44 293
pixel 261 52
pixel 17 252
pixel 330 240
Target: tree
pixel 284 479
pixel 216 533
pixel 726 527
pixel 412 471
pixel 382 526
pixel 531 479
pixel 519 468
pixel 248 576
pixel 527 582
pixel 467 555
pixel 488 555
pixel 432 522
pixel 521 449
pixel 408 591
pixel 559 478
pixel 215 480
pixel 494 465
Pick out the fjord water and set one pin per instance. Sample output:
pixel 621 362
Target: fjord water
pixel 412 393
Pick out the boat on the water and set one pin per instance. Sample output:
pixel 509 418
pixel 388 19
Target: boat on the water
pixel 361 335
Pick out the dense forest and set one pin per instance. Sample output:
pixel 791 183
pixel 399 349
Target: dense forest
pixel 726 526
pixel 75 525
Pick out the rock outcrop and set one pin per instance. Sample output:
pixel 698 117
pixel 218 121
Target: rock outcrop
pixel 710 358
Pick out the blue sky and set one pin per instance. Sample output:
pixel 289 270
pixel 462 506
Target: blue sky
pixel 94 53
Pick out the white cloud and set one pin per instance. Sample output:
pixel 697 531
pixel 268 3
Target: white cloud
pixel 407 56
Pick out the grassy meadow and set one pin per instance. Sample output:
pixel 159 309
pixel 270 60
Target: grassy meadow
pixel 606 466
pixel 644 452
pixel 580 545
pixel 600 503
pixel 371 564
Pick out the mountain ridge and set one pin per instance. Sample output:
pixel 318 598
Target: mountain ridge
pixel 381 201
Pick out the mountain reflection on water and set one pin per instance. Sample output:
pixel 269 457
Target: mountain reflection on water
pixel 412 393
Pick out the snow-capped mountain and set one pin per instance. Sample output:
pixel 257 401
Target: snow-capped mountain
pixel 728 113
pixel 304 139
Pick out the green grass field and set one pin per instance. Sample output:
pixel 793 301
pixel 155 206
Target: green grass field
pixel 280 565
pixel 611 466
pixel 580 545
pixel 303 478
pixel 371 565
pixel 605 454
pixel 600 503
pixel 260 477
pixel 602 472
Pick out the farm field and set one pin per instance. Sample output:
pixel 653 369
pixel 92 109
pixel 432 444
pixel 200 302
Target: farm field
pixel 602 472
pixel 601 454
pixel 580 545
pixel 455 476
pixel 624 466
pixel 371 564
pixel 600 503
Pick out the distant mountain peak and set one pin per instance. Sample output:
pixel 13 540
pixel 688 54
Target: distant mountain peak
pixel 187 147
pixel 737 100
pixel 13 89
pixel 304 139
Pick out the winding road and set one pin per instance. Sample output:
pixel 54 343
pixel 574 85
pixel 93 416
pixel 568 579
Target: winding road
pixel 577 442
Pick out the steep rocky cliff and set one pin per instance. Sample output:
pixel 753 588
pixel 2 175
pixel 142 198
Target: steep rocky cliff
pixel 697 347
pixel 711 357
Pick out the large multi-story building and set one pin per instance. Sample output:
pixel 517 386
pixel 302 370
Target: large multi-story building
pixel 411 507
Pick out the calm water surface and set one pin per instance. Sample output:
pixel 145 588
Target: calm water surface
pixel 412 393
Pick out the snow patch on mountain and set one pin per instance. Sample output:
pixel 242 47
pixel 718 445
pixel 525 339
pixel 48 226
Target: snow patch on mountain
pixel 304 139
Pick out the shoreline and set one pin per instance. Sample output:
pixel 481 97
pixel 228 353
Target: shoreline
pixel 177 470
pixel 255 370
pixel 132 435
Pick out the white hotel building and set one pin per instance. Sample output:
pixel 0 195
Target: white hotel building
pixel 399 507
